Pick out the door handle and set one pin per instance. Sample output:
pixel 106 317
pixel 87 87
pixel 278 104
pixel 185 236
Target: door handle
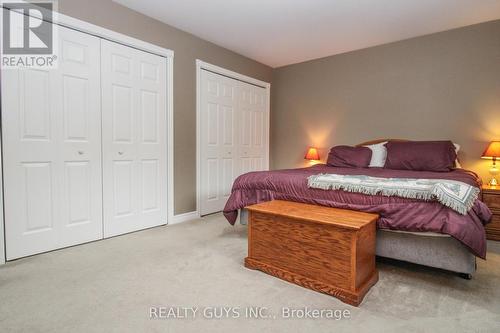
pixel 120 153
pixel 81 152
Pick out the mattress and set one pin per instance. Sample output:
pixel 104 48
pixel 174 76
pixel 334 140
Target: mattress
pixel 431 218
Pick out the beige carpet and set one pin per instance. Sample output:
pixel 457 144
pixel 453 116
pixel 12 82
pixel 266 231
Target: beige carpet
pixel 109 286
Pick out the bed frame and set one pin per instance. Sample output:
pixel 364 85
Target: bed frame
pixel 423 248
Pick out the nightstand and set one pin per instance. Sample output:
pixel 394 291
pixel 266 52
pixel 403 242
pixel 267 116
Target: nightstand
pixel 491 197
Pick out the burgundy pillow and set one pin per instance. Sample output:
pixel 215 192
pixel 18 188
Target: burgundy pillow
pixel 436 156
pixel 349 157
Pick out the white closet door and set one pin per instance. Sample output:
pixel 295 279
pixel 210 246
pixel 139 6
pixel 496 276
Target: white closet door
pixel 219 146
pixel 233 136
pixel 52 147
pixel 253 128
pixel 134 139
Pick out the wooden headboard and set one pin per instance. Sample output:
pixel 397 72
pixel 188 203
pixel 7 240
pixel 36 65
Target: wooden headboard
pixel 374 142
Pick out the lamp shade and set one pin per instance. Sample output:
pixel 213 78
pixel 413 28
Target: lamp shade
pixel 312 154
pixel 493 150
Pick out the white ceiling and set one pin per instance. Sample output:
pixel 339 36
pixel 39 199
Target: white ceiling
pixel 282 32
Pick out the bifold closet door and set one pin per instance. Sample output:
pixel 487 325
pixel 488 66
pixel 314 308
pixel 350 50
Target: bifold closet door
pixel 51 126
pixel 134 139
pixel 219 140
pixel 233 136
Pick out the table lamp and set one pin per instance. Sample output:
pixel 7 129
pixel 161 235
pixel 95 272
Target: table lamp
pixel 492 153
pixel 312 155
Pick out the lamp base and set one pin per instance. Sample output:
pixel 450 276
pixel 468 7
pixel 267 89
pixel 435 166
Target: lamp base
pixel 493 172
pixel 493 182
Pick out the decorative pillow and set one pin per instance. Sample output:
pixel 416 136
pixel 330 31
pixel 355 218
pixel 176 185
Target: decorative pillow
pixel 349 157
pixel 379 154
pixel 457 162
pixel 436 156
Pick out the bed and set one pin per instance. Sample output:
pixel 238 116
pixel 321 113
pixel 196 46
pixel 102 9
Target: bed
pixel 421 232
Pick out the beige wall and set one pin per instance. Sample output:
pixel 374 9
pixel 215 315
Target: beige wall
pixel 440 86
pixel 187 48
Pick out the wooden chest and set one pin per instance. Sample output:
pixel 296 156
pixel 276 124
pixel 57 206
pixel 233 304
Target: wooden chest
pixel 491 197
pixel 324 249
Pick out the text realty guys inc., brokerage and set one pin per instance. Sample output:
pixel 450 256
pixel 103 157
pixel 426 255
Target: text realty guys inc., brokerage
pixel 231 312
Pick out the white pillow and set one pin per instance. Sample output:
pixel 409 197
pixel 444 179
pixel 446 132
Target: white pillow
pixel 457 163
pixel 379 155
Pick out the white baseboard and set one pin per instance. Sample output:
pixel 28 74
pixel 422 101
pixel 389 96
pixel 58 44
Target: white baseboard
pixel 180 218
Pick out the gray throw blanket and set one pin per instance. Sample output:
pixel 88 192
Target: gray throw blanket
pixel 456 195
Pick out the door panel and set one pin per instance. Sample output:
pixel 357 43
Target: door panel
pixel 219 105
pixel 123 189
pixel 150 185
pixel 122 113
pixel 51 141
pixel 150 120
pixel 75 108
pixel 80 172
pixel 79 192
pixel 213 178
pixel 228 126
pixel 38 189
pixel 35 104
pixel 227 176
pixel 253 128
pixel 134 147
pixel 246 124
pixel 258 129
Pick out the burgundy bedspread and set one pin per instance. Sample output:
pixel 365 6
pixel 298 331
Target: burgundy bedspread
pixel 395 213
